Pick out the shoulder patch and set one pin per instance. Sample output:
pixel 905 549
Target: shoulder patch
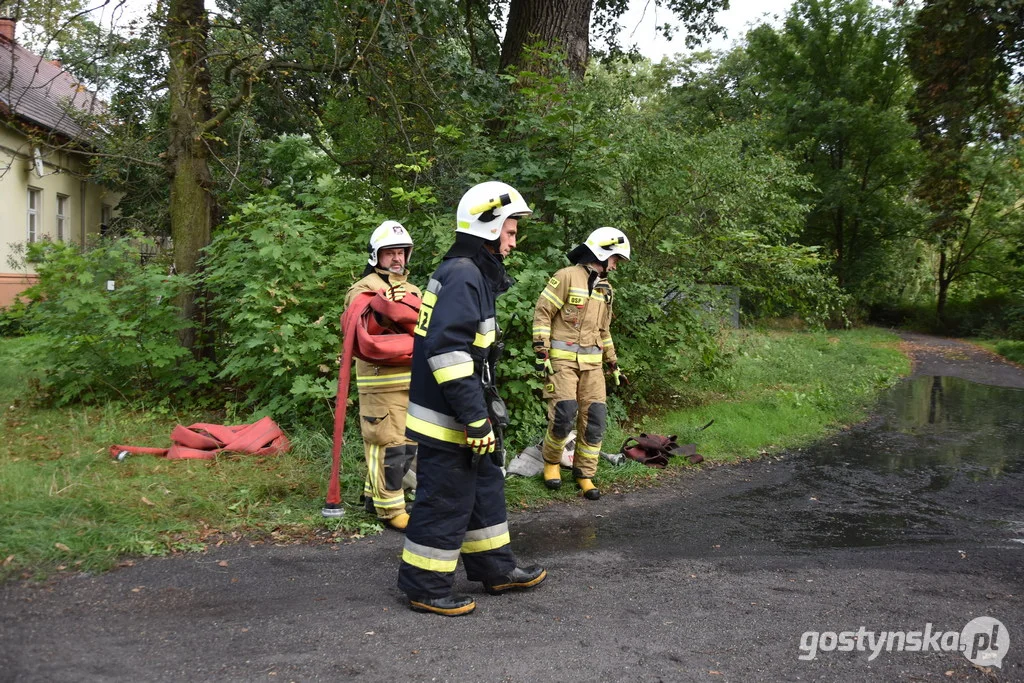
pixel 553 282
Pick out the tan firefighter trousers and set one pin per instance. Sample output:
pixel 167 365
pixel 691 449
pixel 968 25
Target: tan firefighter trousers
pixel 576 398
pixel 389 454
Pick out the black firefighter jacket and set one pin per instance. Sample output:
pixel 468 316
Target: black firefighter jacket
pixel 454 335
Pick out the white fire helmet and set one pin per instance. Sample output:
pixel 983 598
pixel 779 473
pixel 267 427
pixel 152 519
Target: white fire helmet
pixel 604 242
pixel 387 235
pixel 484 208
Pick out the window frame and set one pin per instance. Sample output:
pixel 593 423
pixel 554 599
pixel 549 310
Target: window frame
pixel 63 218
pixel 32 214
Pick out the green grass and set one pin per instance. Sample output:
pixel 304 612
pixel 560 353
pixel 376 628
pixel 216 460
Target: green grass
pixel 1009 349
pixel 784 390
pixel 65 505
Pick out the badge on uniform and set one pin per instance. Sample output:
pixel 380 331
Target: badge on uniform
pixel 577 300
pixel 553 283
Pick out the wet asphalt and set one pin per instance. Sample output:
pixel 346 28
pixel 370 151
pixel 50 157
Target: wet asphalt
pixel 785 569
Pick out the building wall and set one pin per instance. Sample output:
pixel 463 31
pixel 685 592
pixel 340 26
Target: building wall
pixel 62 175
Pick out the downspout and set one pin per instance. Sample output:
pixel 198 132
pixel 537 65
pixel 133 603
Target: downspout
pixel 82 187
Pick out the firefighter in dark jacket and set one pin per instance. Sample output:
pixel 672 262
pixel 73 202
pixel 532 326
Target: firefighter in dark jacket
pixel 571 339
pixel 384 389
pixel 460 491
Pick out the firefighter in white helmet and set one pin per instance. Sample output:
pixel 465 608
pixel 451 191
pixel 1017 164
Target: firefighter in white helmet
pixel 571 340
pixel 456 415
pixel 384 389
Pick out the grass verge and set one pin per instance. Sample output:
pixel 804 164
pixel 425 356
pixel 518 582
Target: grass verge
pixel 1011 350
pixel 66 506
pixel 782 390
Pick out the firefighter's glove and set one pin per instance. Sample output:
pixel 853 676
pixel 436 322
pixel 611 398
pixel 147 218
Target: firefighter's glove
pixel 480 437
pixel 395 292
pixel 617 375
pixel 543 362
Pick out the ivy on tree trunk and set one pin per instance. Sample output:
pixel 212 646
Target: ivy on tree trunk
pixel 188 166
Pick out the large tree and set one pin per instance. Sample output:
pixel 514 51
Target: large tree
pixel 964 54
pixel 566 26
pixel 188 166
pixel 835 88
pixel 281 69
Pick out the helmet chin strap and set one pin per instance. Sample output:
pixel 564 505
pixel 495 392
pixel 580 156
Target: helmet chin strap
pixel 494 246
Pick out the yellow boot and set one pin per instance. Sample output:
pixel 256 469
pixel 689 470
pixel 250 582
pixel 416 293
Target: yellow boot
pixel 552 476
pixel 590 492
pixel 399 522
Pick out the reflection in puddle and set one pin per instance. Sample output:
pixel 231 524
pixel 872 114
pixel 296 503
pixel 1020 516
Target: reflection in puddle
pixel 939 446
pixel 955 427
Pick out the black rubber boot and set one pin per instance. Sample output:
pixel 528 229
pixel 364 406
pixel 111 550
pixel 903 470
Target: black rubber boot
pixel 520 578
pixel 449 605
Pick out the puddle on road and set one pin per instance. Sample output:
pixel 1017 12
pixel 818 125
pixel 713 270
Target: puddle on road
pixel 944 461
pixel 949 426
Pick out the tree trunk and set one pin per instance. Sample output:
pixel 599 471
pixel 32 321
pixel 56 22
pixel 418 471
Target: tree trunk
pixel 563 25
pixel 187 154
pixel 840 239
pixel 943 293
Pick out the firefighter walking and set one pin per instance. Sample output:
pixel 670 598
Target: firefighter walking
pixel 571 340
pixel 454 411
pixel 384 389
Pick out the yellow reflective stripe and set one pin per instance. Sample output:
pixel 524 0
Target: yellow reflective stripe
pixel 426 309
pixel 589 357
pixel 383 381
pixel 364 384
pixel 562 355
pixel 372 463
pixel 550 440
pixel 407 374
pixel 586 451
pixel 577 296
pixel 550 296
pixel 429 562
pixel 434 431
pixel 482 544
pixel 606 342
pixel 457 371
pixel 396 502
pixel 483 340
pixel 539 331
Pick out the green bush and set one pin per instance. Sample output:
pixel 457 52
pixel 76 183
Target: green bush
pixel 277 272
pixel 12 319
pixel 991 316
pixel 102 342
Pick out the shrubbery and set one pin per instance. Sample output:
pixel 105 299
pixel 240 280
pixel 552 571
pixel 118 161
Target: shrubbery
pixel 108 326
pixel 277 273
pixel 708 214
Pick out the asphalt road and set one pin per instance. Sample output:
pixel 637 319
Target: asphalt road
pixel 786 569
